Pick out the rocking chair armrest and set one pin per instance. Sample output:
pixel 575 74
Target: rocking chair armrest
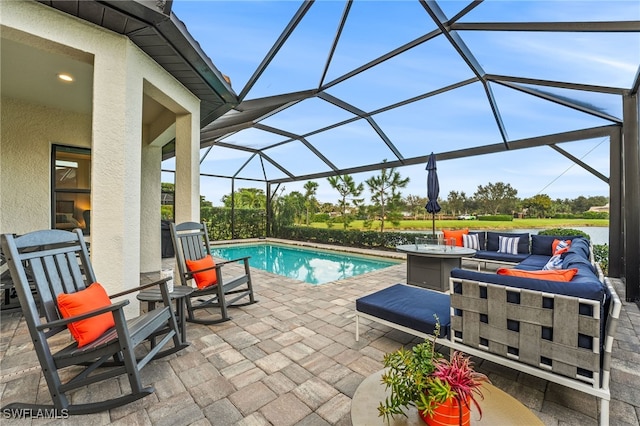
pixel 64 321
pixel 142 287
pixel 190 274
pixel 243 259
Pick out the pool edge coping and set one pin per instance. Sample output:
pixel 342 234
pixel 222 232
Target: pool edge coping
pixel 331 247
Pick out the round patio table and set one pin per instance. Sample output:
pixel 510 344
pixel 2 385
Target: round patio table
pixel 498 407
pixel 429 266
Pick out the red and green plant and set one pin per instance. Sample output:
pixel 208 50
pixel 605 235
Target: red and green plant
pixel 423 378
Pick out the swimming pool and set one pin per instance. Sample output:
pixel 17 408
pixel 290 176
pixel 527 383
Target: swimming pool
pixel 310 265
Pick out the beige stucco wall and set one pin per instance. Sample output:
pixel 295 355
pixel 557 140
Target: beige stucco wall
pixel 28 131
pixel 119 230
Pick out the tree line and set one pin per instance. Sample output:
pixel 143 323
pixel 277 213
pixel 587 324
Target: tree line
pixel 387 204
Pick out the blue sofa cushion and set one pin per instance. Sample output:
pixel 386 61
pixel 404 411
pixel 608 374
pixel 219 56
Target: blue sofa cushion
pixel 534 262
pixel 493 241
pixel 408 306
pixel 573 260
pixel 583 284
pixel 504 257
pixel 541 244
pixel 579 246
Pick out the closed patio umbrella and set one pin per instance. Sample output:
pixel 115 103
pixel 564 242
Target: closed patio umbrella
pixel 433 189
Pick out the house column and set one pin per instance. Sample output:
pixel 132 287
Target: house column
pixel 187 189
pixel 116 170
pixel 150 216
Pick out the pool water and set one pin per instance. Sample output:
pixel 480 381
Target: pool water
pixel 310 265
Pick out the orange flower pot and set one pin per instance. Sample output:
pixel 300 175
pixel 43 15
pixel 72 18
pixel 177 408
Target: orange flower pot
pixel 448 414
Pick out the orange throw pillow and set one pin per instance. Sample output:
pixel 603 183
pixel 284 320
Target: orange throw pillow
pixel 91 298
pixel 457 234
pixel 563 248
pixel 564 275
pixel 205 278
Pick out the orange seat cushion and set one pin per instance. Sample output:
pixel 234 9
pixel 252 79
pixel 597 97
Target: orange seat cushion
pixel 204 278
pixel 87 330
pixel 457 234
pixel 551 275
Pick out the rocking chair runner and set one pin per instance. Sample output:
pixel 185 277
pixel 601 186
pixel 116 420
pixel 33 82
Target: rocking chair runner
pixel 191 243
pixel 58 262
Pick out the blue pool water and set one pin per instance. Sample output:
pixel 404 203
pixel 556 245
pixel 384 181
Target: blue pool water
pixel 309 265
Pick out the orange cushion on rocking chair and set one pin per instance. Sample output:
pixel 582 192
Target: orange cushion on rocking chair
pixel 205 278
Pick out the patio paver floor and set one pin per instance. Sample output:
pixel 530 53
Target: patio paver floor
pixel 292 359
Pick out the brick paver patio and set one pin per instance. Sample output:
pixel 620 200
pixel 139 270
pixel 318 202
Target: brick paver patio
pixel 292 359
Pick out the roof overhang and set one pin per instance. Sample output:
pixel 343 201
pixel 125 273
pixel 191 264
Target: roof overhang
pixel 160 34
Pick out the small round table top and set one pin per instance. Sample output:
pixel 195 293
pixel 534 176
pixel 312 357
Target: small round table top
pixel 154 294
pixel 435 250
pixel 498 407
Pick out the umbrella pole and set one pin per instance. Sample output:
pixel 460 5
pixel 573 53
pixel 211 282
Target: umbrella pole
pixel 433 224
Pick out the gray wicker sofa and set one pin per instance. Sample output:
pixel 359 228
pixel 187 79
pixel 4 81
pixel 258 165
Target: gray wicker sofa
pixel 560 331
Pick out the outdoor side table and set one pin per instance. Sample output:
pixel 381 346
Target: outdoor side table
pixel 498 407
pixel 179 294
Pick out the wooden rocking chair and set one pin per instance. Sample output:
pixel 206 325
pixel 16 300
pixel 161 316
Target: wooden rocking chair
pixel 191 244
pixel 57 263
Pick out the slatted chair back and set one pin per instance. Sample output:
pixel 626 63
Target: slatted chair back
pixel 57 262
pixel 191 242
pixel 52 262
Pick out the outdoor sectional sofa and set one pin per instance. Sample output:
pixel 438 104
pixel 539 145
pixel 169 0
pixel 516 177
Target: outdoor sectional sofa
pixel 489 244
pixel 560 331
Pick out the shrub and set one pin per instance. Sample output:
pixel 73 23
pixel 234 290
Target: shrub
pixel 601 254
pixel 565 232
pixel 497 218
pixel 320 217
pixel 249 223
pixel 595 215
pixel 353 238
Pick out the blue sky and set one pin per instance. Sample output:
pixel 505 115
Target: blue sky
pixel 237 35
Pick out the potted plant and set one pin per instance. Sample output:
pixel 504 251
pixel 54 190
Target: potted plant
pixel 441 389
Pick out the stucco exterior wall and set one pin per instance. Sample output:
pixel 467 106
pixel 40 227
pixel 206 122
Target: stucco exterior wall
pixel 28 131
pixel 114 133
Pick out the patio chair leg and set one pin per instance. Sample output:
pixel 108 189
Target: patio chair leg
pixel 604 412
pixel 223 304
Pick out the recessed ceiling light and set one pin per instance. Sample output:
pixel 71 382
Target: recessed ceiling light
pixel 65 77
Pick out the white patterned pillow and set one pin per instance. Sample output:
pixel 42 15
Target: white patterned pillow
pixel 508 244
pixel 554 263
pixel 556 260
pixel 471 241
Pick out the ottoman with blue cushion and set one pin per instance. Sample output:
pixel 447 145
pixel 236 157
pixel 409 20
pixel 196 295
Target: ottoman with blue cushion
pixel 407 306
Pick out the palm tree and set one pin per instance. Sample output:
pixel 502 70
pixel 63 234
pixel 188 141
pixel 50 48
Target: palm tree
pixel 310 197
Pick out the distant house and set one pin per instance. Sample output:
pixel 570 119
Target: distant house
pixel 604 208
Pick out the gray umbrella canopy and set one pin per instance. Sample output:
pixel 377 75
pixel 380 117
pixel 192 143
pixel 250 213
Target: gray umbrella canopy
pixel 433 189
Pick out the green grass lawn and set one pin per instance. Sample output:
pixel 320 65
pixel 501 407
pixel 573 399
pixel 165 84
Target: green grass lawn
pixel 475 224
